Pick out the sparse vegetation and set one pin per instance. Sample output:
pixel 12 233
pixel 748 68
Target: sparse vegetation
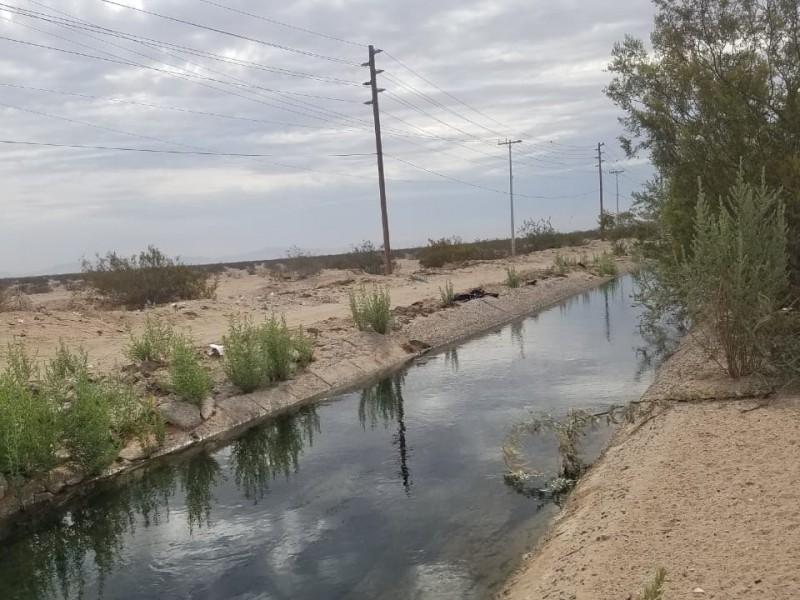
pixel 538 235
pixel 618 248
pixel 256 355
pixel 513 278
pixel 154 342
pixel 303 263
pixel 12 298
pixel 446 251
pixel 188 378
pixel 371 309
pixel 605 265
pixel 563 263
pixel 149 277
pixel 448 294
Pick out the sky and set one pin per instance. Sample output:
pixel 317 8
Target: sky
pixel 192 82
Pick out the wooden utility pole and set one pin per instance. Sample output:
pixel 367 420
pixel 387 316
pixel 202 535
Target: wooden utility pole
pixel 600 171
pixel 373 83
pixel 509 143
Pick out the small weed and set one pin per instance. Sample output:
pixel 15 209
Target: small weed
pixel 153 345
pixel 371 308
pixel 448 294
pixel 654 591
pixel 513 278
pixel 188 378
pixel 605 264
pixel 303 347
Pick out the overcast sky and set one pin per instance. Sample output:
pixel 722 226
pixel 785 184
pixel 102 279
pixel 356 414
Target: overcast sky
pixel 529 70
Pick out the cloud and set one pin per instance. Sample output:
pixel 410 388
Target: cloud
pixel 529 71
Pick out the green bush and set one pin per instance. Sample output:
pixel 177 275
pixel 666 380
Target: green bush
pixel 735 279
pixel 102 416
pixel 258 355
pixel 448 294
pixel 149 277
pixel 30 427
pixel 154 343
pixel 446 251
pixel 89 426
pixel 188 378
pixel 371 308
pixel 513 278
pixel 606 265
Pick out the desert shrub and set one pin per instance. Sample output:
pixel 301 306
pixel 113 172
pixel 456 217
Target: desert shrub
pixel 605 264
pixel 302 263
pixel 448 294
pixel 30 426
pixel 154 342
pixel 446 251
pixel 188 378
pixel 736 277
pixel 12 298
pixel 89 426
pixel 37 286
pixel 149 277
pixel 256 355
pixel 562 263
pixel 538 235
pixel 102 416
pixel 371 308
pixel 618 248
pixel 513 278
pixel 366 257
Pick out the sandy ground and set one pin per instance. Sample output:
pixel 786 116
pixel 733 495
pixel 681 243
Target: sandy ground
pixel 320 301
pixel 705 489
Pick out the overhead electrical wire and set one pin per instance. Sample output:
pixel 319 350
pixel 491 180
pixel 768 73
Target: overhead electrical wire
pixel 483 187
pixel 282 24
pixel 187 152
pixel 235 35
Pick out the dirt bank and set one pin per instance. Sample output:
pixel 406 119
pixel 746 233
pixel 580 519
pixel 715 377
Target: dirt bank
pixel 705 489
pixel 344 356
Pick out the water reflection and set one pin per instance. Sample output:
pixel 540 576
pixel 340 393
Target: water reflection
pixel 451 358
pixel 55 557
pixel 383 402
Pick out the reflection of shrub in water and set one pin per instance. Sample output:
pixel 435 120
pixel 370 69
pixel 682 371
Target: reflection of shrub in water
pixel 381 402
pixel 198 476
pixel 263 452
pixel 58 553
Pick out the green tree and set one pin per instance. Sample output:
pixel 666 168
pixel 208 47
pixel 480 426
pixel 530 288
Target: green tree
pixel 719 87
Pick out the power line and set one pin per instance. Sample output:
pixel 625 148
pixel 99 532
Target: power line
pixel 81 24
pixel 282 24
pixel 235 35
pixel 485 188
pixel 187 152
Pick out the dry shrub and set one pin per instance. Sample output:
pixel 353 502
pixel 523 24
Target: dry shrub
pixel 149 277
pixel 12 298
pixel 446 251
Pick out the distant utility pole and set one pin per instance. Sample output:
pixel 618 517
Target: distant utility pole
pixel 600 171
pixel 616 173
pixel 509 143
pixel 373 83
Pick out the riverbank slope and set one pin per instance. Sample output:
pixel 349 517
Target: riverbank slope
pixel 704 485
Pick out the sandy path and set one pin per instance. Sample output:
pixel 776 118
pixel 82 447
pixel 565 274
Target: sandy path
pixel 706 490
pixel 104 333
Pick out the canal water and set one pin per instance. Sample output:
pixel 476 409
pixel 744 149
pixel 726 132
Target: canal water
pixel 395 491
